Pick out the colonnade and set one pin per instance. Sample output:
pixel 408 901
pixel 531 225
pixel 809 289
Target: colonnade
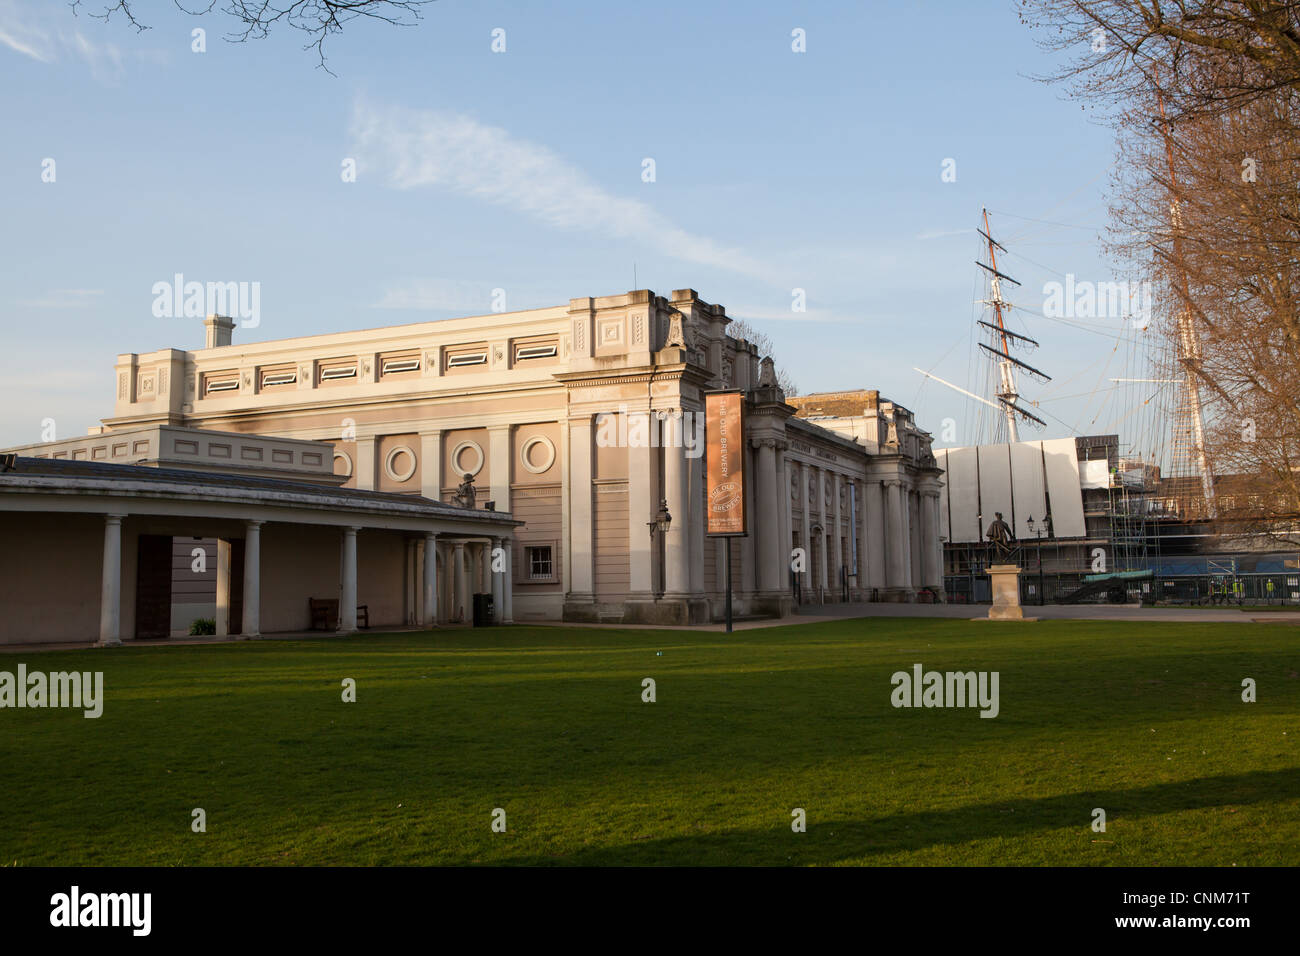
pixel 468 564
pixel 892 521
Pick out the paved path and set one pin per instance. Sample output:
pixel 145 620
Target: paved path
pixel 806 615
pixel 1056 612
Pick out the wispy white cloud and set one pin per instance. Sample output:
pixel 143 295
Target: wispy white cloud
pixel 20 40
pixel 49 33
pixel 415 148
pixel 64 299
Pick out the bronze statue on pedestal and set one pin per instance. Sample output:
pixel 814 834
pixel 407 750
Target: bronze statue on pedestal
pixel 1001 537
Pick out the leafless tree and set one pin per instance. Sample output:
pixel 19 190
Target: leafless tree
pixel 1201 55
pixel 1205 99
pixel 742 329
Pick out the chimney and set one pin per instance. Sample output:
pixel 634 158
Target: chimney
pixel 219 329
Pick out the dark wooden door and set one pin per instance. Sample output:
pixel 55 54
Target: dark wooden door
pixel 153 588
pixel 236 618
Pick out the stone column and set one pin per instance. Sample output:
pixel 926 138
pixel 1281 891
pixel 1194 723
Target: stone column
pixel 581 584
pixel 485 553
pixel 676 554
pixel 825 576
pixel 864 540
pixel 446 586
pixel 459 610
pixel 909 533
pixel 746 545
pixel 348 585
pixel 412 589
pixel 896 542
pixel 805 499
pixel 430 615
pixel 252 623
pixel 110 594
pixel 696 519
pixel 837 552
pixel 222 616
pixel 642 502
pixel 852 525
pixel 937 546
pixel 508 584
pixel 783 511
pixel 767 521
pixel 925 533
pixel 877 532
pixel 469 583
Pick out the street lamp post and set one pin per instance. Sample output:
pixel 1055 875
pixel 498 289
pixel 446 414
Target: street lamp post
pixel 1038 530
pixel 659 526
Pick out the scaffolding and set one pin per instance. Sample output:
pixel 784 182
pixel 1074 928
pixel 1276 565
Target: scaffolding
pixel 1131 513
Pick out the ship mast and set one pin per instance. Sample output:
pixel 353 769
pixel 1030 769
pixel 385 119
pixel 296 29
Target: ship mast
pixel 1008 393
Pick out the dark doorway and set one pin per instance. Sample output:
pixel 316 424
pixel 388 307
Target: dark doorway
pixel 153 589
pixel 236 617
pixel 817 540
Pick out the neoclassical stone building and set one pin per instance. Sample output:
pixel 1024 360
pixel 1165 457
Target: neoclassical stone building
pixel 527 403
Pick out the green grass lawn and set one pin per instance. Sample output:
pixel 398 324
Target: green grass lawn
pixel 1143 720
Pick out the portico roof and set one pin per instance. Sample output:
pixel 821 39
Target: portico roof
pixel 58 485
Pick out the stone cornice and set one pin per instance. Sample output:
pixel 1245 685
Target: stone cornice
pixel 79 493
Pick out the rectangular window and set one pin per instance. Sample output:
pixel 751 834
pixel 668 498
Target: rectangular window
pixel 279 378
pixel 337 372
pixel 222 385
pixel 467 358
pixel 525 352
pixel 400 365
pixel 539 563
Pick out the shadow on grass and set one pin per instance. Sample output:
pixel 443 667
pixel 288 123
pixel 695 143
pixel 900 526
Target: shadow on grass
pixel 832 841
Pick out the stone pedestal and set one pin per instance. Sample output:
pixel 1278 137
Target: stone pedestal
pixel 666 611
pixel 1005 579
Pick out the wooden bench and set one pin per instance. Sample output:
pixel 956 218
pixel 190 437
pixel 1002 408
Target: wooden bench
pixel 325 614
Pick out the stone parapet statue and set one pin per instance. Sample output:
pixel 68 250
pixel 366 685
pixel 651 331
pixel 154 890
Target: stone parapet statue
pixel 465 492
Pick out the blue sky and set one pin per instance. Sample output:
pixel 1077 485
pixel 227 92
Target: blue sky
pixel 522 171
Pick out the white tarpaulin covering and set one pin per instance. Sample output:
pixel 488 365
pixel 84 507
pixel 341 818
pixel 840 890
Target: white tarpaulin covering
pixel 1018 480
pixel 1061 460
pixel 963 494
pixel 1094 474
pixel 995 484
pixel 1027 480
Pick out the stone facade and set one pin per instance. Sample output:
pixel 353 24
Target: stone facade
pixel 527 402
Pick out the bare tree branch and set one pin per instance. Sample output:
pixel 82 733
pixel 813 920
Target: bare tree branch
pixel 253 19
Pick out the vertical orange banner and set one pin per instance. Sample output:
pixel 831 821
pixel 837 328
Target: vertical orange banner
pixel 724 431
